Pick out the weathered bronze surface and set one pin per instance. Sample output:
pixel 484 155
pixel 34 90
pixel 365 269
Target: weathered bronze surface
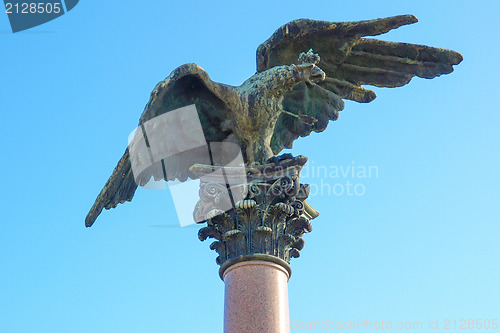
pixel 293 93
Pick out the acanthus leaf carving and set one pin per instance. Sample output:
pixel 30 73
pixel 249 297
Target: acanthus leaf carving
pixel 271 219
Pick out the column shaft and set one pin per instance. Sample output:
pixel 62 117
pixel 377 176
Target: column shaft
pixel 256 298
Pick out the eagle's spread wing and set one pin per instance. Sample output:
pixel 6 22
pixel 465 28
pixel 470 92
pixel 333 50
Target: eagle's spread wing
pixel 188 84
pixel 349 61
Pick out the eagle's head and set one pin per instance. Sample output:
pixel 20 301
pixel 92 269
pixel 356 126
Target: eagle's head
pixel 307 67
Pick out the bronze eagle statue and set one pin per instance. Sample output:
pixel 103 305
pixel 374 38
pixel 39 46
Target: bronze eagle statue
pixel 304 71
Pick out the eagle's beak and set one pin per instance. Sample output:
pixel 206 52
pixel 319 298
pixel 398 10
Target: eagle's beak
pixel 317 74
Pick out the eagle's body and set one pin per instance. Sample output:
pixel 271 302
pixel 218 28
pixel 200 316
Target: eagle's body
pixel 258 105
pixel 287 98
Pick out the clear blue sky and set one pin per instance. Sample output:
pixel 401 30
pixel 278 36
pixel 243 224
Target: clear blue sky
pixel 421 243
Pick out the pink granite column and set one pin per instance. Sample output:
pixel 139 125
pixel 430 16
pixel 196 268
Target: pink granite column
pixel 256 298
